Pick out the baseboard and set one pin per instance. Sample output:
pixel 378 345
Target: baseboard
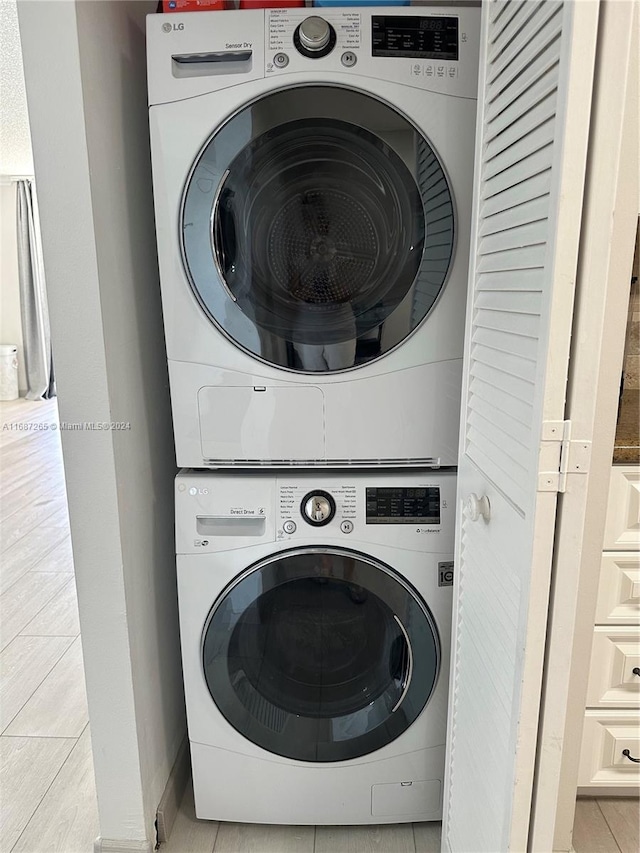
pixel 113 845
pixel 632 791
pixel 173 793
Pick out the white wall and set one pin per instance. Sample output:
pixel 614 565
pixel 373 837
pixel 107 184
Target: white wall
pixel 10 320
pixel 15 159
pixel 91 152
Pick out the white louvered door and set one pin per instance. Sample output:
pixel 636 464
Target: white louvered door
pixel 536 70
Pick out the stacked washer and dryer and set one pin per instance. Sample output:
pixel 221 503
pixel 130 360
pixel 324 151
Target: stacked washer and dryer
pixel 312 181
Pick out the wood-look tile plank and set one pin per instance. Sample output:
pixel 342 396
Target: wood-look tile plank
pixel 623 818
pixel 396 837
pixel 58 708
pixel 59 559
pixel 262 838
pixel 591 833
pixel 66 821
pixel 190 835
pixel 28 521
pixel 59 519
pixel 24 664
pixel 43 495
pixel 26 554
pixel 428 836
pixel 28 766
pixel 28 595
pixel 35 465
pixel 59 617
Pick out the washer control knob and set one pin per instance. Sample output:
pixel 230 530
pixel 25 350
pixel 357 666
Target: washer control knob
pixel 314 33
pixel 289 526
pixel 318 508
pixel 346 526
pixel 281 60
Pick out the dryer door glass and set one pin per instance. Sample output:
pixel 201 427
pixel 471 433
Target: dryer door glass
pixel 317 228
pixel 320 655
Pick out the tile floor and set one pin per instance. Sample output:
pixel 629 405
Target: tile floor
pixel 46 769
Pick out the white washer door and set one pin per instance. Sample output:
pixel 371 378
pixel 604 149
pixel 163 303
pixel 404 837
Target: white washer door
pixel 320 654
pixel 317 228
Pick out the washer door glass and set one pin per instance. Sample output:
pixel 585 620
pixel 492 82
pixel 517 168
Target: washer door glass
pixel 320 655
pixel 317 228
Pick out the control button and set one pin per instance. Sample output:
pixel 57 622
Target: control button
pixel 346 526
pixel 289 526
pixel 318 508
pixel 416 70
pixel 280 60
pixel 452 71
pixel 348 59
pixel 440 71
pixel 314 33
pixel 429 70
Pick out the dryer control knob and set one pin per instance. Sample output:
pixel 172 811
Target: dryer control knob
pixel 314 33
pixel 318 508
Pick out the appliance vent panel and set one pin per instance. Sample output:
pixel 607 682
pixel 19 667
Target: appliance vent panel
pixel 417 462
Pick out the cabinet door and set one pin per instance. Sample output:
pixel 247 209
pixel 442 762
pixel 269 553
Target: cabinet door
pixel 622 529
pixel 536 72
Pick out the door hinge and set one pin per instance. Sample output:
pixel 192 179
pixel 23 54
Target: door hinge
pixel 560 456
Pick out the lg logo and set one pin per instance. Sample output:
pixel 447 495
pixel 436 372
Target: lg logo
pixel 168 28
pixel 193 491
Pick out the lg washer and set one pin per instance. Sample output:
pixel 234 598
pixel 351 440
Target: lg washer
pixel 312 180
pixel 315 614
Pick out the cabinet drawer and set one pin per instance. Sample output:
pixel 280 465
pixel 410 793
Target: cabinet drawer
pixel 622 528
pixel 614 674
pixel 619 589
pixel 604 738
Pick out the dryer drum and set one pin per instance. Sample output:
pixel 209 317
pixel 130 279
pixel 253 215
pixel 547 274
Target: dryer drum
pixel 317 228
pixel 330 218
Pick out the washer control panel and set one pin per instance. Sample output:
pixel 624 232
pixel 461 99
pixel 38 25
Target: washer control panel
pixel 316 508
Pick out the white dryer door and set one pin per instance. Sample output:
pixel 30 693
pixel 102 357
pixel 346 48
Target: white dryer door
pixel 317 228
pixel 320 654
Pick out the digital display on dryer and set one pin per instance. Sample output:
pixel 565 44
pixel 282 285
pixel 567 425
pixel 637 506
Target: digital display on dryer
pixel 414 37
pixel 403 506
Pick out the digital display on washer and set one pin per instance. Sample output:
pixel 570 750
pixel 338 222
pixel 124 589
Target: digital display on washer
pixel 403 506
pixel 414 37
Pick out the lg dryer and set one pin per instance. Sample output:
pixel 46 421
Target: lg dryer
pixel 315 614
pixel 312 181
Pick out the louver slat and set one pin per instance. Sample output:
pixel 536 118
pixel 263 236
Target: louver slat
pixel 517 58
pixel 529 233
pixel 538 87
pixel 511 21
pixel 530 211
pixel 522 192
pixel 518 172
pixel 486 392
pixel 513 125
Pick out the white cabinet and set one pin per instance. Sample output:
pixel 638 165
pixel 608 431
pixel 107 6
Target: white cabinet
pixel 622 530
pixel 619 589
pixel 606 737
pixel 611 733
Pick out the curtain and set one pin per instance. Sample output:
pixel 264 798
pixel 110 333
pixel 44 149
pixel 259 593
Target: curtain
pixel 33 297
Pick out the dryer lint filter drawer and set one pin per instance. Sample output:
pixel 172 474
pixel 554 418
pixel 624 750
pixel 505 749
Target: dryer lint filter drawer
pixel 262 423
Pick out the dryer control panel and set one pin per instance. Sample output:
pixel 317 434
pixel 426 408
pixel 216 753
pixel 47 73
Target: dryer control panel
pixel 431 48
